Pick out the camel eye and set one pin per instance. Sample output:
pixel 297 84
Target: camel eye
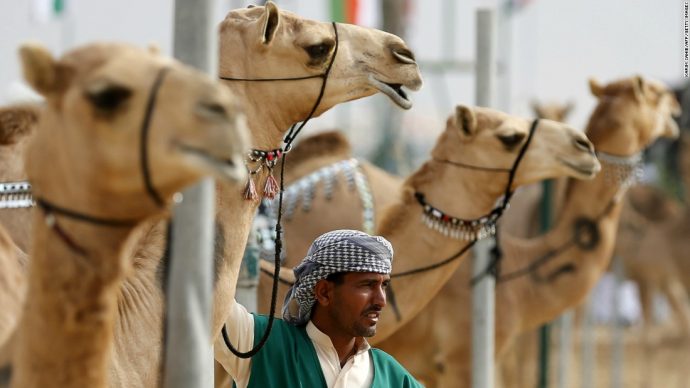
pixel 108 98
pixel 318 51
pixel 511 140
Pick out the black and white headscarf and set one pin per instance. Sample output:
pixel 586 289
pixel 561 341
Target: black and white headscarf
pixel 333 252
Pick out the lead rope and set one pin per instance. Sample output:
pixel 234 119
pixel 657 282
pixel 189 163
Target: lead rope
pixel 289 138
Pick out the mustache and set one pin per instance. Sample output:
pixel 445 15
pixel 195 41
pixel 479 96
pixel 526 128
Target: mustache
pixel 372 309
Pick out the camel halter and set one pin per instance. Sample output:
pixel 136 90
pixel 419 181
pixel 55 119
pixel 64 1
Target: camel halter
pixel 487 221
pixel 626 171
pixel 50 209
pixel 288 140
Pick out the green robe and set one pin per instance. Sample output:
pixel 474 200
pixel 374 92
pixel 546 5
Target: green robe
pixel 289 360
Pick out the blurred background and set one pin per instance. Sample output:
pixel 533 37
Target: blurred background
pixel 547 50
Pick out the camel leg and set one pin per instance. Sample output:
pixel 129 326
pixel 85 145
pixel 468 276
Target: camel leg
pixel 680 303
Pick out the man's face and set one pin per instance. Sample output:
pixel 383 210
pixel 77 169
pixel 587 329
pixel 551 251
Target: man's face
pixel 358 301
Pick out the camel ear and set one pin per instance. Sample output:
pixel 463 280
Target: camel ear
pixel 39 67
pixel 153 48
pixel 569 106
pixel 270 21
pixel 596 88
pixel 638 88
pixel 536 108
pixel 465 120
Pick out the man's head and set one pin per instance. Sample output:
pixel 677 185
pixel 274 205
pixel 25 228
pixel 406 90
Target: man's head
pixel 344 276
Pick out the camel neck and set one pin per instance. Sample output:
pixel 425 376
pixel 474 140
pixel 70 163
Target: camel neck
pixel 71 303
pixel 418 246
pixel 564 280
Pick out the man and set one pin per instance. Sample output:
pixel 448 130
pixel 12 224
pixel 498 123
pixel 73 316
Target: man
pixel 338 295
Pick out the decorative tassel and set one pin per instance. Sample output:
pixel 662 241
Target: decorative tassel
pixel 271 188
pixel 250 190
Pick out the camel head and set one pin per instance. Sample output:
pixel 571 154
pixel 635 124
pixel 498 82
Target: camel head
pixel 266 42
pixel 113 111
pixel 553 111
pixel 487 138
pixel 630 114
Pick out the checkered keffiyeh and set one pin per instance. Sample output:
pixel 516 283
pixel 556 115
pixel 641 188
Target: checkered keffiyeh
pixel 333 252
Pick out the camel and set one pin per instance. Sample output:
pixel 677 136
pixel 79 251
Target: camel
pixel 94 188
pixel 16 124
pixel 631 113
pixel 477 136
pixel 346 61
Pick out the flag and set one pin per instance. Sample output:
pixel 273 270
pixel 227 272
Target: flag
pixel 362 12
pixel 46 10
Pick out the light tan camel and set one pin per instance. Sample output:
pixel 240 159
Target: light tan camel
pixel 16 124
pixel 480 137
pixel 259 42
pixel 94 186
pixel 630 114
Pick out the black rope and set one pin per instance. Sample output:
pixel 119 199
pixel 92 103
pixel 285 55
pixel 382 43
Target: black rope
pixel 276 277
pixel 471 166
pixel 492 269
pixel 496 212
pixel 118 223
pixel 289 138
pixel 586 236
pixel 150 104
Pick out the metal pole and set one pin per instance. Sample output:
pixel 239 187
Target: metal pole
pixel 545 330
pixel 189 353
pixel 483 293
pixel 588 351
pixel 565 340
pixel 617 354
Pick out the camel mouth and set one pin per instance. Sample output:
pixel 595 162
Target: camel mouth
pixel 232 169
pixel 584 171
pixel 394 91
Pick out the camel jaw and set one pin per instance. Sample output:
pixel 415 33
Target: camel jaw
pixel 584 171
pixel 231 170
pixel 394 91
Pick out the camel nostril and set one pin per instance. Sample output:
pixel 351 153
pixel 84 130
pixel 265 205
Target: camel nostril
pixel 213 109
pixel 403 55
pixel 584 145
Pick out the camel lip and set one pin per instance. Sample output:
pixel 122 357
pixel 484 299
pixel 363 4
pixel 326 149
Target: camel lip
pixel 585 171
pixel 231 169
pixel 394 91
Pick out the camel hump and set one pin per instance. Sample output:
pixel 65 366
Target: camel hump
pixel 17 121
pixel 330 143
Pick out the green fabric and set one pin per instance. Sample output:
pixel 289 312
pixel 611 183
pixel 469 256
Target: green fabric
pixel 289 360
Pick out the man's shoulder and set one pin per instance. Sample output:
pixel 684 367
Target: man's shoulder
pixel 388 368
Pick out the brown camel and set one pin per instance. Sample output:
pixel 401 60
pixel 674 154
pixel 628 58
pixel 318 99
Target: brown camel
pixel 479 137
pixel 94 187
pixel 258 42
pixel 631 113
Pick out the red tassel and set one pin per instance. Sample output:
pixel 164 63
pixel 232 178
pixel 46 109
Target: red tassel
pixel 271 187
pixel 250 190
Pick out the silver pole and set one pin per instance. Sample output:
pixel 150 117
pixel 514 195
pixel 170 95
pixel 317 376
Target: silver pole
pixel 617 352
pixel 565 349
pixel 483 293
pixel 588 351
pixel 189 353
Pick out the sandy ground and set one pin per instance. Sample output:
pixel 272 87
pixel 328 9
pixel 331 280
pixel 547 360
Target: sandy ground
pixel 667 365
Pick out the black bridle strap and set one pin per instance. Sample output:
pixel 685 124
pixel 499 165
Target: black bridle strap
pixel 294 130
pixel 143 146
pixel 498 210
pixel 50 208
pixel 289 138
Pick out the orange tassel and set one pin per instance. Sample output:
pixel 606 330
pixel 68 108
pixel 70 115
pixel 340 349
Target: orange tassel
pixel 250 190
pixel 271 188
